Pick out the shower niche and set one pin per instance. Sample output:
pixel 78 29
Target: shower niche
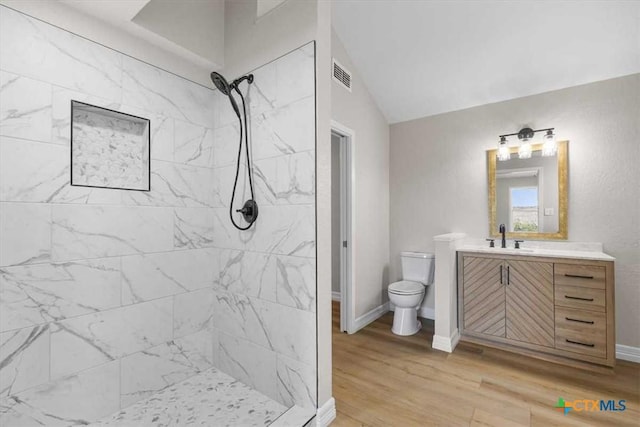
pixel 109 149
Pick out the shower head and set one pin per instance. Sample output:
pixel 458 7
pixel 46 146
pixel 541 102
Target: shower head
pixel 223 86
pixel 221 83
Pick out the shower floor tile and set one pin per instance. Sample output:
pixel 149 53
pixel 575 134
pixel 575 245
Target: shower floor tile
pixel 211 398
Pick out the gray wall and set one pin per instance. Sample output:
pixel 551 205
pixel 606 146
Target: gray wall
pixel 370 152
pixel 438 166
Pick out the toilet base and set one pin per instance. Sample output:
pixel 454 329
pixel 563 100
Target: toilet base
pixel 405 322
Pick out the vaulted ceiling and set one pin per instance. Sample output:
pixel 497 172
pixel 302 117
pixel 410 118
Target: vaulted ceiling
pixel 420 58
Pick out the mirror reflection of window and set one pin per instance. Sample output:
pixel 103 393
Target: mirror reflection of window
pixel 539 172
pixel 519 199
pixel 523 209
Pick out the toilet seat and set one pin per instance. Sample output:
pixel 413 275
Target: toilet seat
pixel 406 287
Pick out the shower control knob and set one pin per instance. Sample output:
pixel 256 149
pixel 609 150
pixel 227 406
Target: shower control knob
pixel 249 211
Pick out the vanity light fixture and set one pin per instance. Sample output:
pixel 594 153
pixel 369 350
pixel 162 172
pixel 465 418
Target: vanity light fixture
pixel 549 148
pixel 503 149
pixel 524 151
pixel 525 135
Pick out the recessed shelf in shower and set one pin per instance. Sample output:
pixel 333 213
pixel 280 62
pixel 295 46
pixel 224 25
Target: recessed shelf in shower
pixel 109 149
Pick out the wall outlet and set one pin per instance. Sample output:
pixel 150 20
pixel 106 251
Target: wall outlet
pixel 548 211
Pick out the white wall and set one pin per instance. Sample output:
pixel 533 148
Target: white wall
pixel 251 42
pixel 195 25
pixel 357 110
pixel 275 260
pixel 100 288
pixel 438 166
pixel 266 6
pixel 323 201
pixel 175 60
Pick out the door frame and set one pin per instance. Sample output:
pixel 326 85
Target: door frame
pixel 347 229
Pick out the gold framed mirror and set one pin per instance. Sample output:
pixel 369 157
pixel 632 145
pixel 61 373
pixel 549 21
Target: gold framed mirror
pixel 530 195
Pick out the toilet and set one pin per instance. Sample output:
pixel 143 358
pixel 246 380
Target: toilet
pixel 407 294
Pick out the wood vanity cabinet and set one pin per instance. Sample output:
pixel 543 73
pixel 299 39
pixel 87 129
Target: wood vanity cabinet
pixel 555 308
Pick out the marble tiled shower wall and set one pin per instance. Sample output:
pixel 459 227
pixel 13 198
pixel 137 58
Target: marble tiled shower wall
pixel 107 296
pixel 264 294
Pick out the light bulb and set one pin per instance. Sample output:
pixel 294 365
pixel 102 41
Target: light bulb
pixel 503 150
pixel 524 152
pixel 550 147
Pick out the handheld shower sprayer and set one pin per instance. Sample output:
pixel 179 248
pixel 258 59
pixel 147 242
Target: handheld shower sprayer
pixel 249 210
pixel 223 86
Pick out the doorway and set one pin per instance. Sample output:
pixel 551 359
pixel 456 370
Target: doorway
pixel 342 242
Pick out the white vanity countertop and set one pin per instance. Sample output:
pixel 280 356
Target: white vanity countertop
pixel 556 253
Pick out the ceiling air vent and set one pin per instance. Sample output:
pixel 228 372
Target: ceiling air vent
pixel 341 75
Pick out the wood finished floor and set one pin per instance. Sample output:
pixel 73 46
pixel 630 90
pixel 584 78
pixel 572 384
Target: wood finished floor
pixel 380 379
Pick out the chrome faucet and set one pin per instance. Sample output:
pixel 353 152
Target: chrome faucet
pixel 503 230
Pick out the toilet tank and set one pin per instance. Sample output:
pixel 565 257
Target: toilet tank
pixel 417 267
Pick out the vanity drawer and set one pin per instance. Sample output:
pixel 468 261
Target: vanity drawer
pixel 586 276
pixel 582 343
pixel 571 320
pixel 581 298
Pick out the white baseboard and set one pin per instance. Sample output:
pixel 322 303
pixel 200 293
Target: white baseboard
pixel 455 339
pixel 370 316
pixel 626 352
pixel 326 413
pixel 424 312
pixel 335 296
pixel 447 344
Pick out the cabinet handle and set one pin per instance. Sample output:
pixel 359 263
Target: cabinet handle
pixel 590 322
pixel 580 343
pixel 501 275
pixel 508 276
pixel 578 276
pixel 578 298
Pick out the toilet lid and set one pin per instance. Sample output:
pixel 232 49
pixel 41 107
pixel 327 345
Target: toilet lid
pixel 406 287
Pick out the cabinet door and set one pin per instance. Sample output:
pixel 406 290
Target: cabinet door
pixel 484 296
pixel 530 309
